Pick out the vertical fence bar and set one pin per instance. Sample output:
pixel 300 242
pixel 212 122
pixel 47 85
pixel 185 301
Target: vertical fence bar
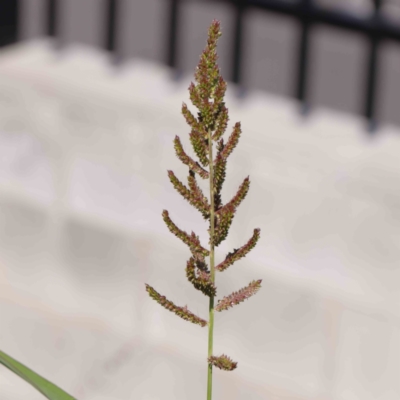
pixel 111 37
pixel 9 21
pixel 172 38
pixel 303 56
pixel 51 28
pixel 240 8
pixel 111 6
pixel 373 70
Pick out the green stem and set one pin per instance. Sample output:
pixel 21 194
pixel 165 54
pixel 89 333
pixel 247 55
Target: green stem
pixel 211 308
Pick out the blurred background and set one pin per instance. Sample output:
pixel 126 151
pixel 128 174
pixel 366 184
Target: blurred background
pixel 90 101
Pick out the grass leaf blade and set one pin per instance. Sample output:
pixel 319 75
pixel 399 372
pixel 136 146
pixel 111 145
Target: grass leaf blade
pixel 48 389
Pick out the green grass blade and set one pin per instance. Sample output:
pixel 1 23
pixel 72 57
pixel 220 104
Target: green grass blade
pixel 48 389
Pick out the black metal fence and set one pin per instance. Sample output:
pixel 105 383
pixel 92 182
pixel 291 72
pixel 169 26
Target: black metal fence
pixel 375 27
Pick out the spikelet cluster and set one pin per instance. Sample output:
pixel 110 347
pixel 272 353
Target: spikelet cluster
pixel 223 362
pixel 210 125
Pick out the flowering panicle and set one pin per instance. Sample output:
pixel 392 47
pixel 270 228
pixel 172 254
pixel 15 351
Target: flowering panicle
pixel 207 129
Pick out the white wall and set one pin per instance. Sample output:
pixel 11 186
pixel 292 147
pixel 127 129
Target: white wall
pixel 85 154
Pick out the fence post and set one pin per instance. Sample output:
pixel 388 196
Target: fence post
pixel 303 56
pixel 172 38
pixel 111 39
pixel 240 9
pixel 373 69
pixel 9 19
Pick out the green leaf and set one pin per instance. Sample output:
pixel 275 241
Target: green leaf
pixel 48 389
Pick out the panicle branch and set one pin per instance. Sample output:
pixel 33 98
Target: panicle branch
pixel 200 147
pixel 232 141
pixel 182 312
pixel 192 121
pixel 225 214
pixel 194 196
pixel 193 165
pixel 219 169
pixel 202 281
pixel 198 136
pixel 239 196
pixel 238 297
pixel 237 254
pixel 221 121
pixel 198 193
pixel 192 241
pixel 223 223
pixel 196 101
